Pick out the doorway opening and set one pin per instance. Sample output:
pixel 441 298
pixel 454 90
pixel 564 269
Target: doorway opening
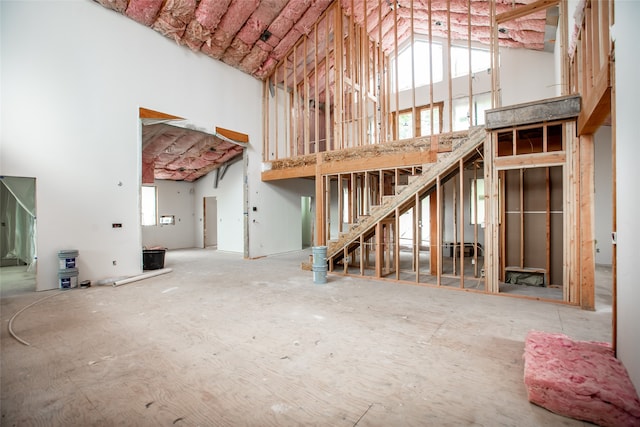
pixel 18 237
pixel 210 225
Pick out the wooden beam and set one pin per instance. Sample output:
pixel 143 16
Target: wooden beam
pixel 597 107
pixel 307 171
pixel 145 113
pixel 385 161
pixel 521 11
pixel 537 160
pixel 559 108
pixel 233 135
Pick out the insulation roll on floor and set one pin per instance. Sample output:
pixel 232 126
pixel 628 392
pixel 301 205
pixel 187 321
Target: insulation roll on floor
pixel 579 379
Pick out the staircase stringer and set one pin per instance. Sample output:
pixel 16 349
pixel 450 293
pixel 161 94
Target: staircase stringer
pixel 445 161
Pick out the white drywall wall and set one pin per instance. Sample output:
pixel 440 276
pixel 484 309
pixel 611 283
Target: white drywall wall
pixel 228 196
pixel 627 34
pixel 73 77
pixel 173 198
pixel 526 75
pixel 604 198
pixel 275 225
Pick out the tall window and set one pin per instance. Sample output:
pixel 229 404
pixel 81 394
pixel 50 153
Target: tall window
pixel 423 53
pixel 149 204
pixel 480 61
pixel 462 115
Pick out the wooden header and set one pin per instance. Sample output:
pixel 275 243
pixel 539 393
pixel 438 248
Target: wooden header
pixel 233 135
pixel 563 107
pixel 146 113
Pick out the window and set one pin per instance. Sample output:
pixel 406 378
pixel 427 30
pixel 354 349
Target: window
pixel 149 203
pixel 477 201
pixel 407 128
pixel 425 120
pixel 168 220
pixel 461 116
pixel 405 125
pixel 480 61
pixel 420 65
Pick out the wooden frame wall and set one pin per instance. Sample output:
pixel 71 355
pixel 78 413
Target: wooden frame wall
pixel 335 89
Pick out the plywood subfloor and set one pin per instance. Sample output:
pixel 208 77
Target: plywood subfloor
pixel 226 341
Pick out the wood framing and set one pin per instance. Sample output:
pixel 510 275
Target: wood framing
pixel 335 108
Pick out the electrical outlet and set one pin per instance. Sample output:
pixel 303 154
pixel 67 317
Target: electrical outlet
pixel 114 262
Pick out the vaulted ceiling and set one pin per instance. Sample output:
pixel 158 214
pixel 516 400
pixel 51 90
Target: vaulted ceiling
pixel 254 35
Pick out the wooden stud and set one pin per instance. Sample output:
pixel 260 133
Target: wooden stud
pixel 265 119
pixel 351 187
pixel 307 103
pixel 379 249
pixel 277 122
pixel 320 237
pixel 327 209
pixel 454 224
pixel 475 219
pixel 295 107
pixel 327 90
pixel 340 70
pixel 614 228
pixel 469 75
pixel 431 102
pixel 522 218
pixel 340 204
pixel 362 255
pixel 587 224
pixel 417 235
pixel 396 123
pixel 548 224
pixel 439 227
pixel 461 222
pixel 316 106
pixel 449 82
pixel 502 219
pixel 345 260
pixel 433 233
pixel 396 246
pixel 413 72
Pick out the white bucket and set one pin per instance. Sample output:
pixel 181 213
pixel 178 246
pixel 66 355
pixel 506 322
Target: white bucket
pixel 68 278
pixel 67 259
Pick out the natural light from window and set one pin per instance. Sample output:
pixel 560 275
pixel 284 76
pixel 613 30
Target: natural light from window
pixel 420 65
pixel 480 61
pixel 461 115
pixel 149 216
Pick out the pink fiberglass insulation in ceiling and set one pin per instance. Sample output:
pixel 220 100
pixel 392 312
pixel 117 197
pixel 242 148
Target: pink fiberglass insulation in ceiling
pixel 182 154
pixel 254 35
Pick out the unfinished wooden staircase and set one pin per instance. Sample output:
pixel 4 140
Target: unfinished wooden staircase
pixel 462 147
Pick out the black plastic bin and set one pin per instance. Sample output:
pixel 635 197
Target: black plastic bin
pixel 152 259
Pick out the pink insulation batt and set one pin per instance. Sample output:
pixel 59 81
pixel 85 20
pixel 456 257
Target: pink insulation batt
pixel 579 379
